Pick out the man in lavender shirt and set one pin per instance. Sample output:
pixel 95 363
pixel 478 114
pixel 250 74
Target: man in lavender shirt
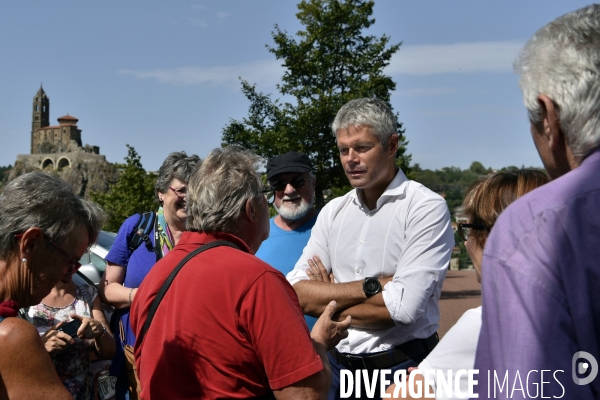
pixel 542 259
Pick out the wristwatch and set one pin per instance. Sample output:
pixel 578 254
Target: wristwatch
pixel 371 286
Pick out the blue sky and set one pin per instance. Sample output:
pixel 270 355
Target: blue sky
pixel 163 76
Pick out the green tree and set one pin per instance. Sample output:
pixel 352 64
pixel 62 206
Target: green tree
pixel 3 171
pixel 327 64
pixel 132 193
pixel 479 169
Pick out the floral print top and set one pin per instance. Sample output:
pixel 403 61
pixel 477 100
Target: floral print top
pixel 73 364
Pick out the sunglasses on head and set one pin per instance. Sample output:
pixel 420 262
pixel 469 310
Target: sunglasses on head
pixel 296 183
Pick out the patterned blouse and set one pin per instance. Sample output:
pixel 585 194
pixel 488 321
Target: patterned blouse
pixel 73 364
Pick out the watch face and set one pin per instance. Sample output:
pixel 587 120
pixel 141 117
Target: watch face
pixel 371 286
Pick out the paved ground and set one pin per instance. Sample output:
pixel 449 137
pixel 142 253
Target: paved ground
pixel 460 292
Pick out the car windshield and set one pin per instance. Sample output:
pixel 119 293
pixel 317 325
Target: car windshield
pixel 106 239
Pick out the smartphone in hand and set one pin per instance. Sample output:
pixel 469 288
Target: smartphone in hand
pixel 70 328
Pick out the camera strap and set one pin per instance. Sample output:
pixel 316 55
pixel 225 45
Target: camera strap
pixel 167 284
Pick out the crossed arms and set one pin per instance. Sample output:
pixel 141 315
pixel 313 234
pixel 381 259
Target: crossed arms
pixel 408 252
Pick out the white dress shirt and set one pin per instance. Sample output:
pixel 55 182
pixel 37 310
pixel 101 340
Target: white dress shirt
pixel 408 235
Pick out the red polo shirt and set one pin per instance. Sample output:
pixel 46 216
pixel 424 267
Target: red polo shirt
pixel 230 326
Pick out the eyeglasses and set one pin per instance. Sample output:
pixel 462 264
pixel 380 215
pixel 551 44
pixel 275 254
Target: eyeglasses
pixel 181 192
pixel 465 229
pixel 269 195
pixel 296 183
pixel 74 264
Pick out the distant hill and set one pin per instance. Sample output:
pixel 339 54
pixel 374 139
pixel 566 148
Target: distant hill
pixel 452 182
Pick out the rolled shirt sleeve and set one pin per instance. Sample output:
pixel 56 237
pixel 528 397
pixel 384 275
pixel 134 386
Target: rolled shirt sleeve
pixel 408 236
pixel 422 266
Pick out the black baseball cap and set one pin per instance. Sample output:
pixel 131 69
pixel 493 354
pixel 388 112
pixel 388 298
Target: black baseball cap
pixel 288 162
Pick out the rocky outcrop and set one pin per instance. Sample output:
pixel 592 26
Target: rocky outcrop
pixel 84 176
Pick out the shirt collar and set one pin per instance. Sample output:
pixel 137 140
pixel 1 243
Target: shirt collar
pixel 397 187
pixel 201 238
pixel 594 155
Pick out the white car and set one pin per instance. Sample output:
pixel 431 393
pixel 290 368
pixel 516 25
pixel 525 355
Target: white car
pixel 92 262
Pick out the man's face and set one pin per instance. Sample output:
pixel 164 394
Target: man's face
pixel 366 162
pixel 291 202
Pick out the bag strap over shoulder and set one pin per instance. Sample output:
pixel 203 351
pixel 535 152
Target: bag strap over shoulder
pixel 142 230
pixel 167 284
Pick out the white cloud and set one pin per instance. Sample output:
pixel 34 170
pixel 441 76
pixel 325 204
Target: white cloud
pixel 264 72
pixel 433 91
pixel 199 22
pixel 222 14
pixel 454 58
pixel 411 60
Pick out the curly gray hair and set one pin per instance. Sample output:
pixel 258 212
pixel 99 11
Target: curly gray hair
pixel 47 202
pixel 218 190
pixel 178 165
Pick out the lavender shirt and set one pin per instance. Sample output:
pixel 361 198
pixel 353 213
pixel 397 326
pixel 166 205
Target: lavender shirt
pixel 541 291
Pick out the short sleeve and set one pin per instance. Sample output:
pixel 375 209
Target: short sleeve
pixel 271 314
pixel 119 253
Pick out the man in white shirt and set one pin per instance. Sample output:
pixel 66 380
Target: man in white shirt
pixel 388 244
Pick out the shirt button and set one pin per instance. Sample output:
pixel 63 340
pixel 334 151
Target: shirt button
pixel 357 269
pixel 360 241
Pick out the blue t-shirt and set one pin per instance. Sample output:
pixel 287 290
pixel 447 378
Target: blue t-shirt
pixel 283 249
pixel 137 264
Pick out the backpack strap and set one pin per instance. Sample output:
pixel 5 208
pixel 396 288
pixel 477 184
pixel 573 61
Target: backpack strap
pixel 142 230
pixel 167 284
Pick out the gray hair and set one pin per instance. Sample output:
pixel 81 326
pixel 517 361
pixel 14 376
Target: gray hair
pixel 177 165
pixel 218 190
pixel 47 202
pixel 562 61
pixel 371 112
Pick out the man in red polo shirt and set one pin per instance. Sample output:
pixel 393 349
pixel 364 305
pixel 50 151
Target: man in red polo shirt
pixel 229 326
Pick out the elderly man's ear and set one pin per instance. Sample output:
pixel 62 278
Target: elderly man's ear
pixel 551 125
pixel 552 137
pixel 251 210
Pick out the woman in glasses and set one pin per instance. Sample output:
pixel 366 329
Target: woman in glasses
pixel 484 202
pixel 44 229
pixel 128 261
pixel 69 344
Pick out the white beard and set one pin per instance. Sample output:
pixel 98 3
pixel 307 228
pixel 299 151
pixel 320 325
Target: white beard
pixel 294 212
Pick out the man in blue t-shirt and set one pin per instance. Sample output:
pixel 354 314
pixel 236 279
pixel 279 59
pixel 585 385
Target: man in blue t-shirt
pixel 291 176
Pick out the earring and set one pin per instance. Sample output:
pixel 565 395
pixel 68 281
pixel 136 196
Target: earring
pixel 24 260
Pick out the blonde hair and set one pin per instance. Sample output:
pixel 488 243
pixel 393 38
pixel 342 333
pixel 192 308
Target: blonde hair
pixel 490 195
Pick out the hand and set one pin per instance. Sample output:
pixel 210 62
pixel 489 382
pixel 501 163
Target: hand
pixel 329 332
pixel 318 272
pixel 56 341
pixel 90 328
